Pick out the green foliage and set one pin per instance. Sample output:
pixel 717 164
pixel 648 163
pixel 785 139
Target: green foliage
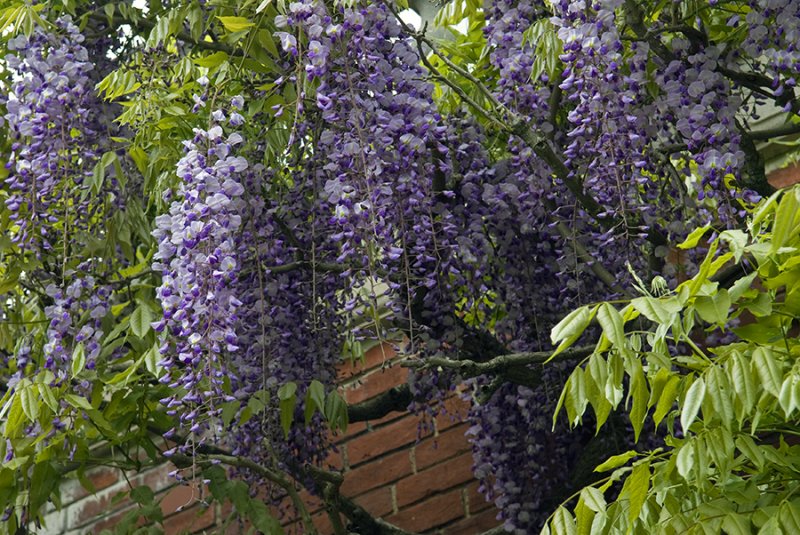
pixel 733 462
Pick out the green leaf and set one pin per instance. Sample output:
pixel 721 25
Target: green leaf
pixel 140 320
pixel 563 523
pixel 143 495
pixel 316 394
pixel 743 382
pixel 736 524
pixel 594 499
pixel 661 311
pixel 576 399
pixel 151 359
pixel 616 461
pixel 212 60
pixel 691 403
pixel 43 482
pixel 228 411
pixel 287 391
pixel 640 395
pixel 78 359
pixel 48 397
pixel 288 402
pixel 336 411
pixel 79 402
pixel 235 24
pixel 635 489
pixel 612 324
pixel 263 5
pixel 584 517
pixel 789 515
pixel 714 309
pixel 569 329
pixel 741 286
pixel 262 519
pixel 768 369
pixel 667 399
pixel 785 223
pixel 30 402
pixel 15 420
pixel 692 239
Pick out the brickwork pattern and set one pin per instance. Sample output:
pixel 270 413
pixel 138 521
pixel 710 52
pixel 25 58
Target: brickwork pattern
pixel 417 477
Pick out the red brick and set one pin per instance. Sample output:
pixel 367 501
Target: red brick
pixel 783 178
pixel 475 500
pixel 431 513
pixel 92 508
pixel 434 449
pixel 180 497
pixel 357 428
pixel 334 460
pixel 403 432
pixel 189 521
pixel 440 477
pixel 375 382
pixel 100 478
pixel 110 522
pixel 377 356
pixel 379 472
pixel 455 409
pixel 322 521
pixel 483 521
pixel 377 502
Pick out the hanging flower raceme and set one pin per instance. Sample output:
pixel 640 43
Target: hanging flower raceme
pixel 382 142
pixel 51 116
pixel 199 261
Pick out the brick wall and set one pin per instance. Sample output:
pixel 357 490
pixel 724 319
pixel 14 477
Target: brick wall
pixel 418 477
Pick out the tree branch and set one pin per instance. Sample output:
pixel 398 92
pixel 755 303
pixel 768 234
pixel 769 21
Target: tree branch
pixel 787 129
pixel 395 399
pixel 497 365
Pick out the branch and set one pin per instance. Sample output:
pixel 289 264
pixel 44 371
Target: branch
pixel 320 267
pixel 395 399
pixel 497 365
pixel 365 522
pixel 266 473
pixel 779 131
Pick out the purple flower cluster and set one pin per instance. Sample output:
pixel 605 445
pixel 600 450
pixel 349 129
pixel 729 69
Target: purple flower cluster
pixel 50 112
pixel 234 321
pixel 382 141
pixel 608 117
pixel 83 296
pixel 199 260
pixel 521 470
pixel 773 42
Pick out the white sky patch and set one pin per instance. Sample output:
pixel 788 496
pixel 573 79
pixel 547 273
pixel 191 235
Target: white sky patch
pixel 410 17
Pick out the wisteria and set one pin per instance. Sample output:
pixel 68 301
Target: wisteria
pixel 306 174
pixel 51 115
pixel 198 257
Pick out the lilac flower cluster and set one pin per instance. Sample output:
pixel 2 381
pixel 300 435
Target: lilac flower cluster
pixel 50 112
pixel 772 42
pixel 290 328
pixel 199 260
pixel 234 322
pixel 700 103
pixel 382 141
pixel 608 113
pixel 502 452
pixel 82 296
